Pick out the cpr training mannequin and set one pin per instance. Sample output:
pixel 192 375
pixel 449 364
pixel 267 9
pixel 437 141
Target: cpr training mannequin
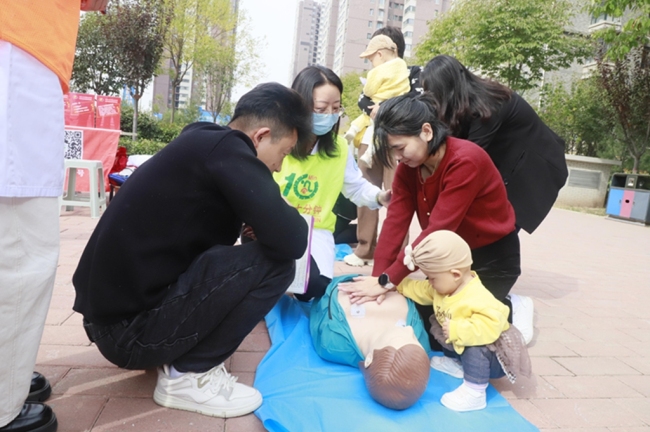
pixel 386 341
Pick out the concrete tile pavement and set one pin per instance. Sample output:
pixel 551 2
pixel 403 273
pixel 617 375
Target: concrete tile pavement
pixel 589 278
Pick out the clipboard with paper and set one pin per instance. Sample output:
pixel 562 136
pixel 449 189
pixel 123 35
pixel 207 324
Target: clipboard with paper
pixel 301 280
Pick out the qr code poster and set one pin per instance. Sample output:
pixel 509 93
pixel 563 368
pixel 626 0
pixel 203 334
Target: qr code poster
pixel 74 140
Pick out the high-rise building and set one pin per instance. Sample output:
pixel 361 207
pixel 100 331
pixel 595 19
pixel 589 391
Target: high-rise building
pixel 585 24
pixel 417 14
pixel 347 25
pixel 327 31
pixel 307 33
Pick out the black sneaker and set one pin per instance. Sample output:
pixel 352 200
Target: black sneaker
pixel 34 417
pixel 40 388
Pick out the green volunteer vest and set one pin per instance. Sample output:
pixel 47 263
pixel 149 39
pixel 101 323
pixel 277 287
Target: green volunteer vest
pixel 313 185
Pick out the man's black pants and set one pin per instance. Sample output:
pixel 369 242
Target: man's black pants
pixel 204 316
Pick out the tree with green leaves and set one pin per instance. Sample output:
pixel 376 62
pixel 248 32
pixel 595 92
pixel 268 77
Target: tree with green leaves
pixel 95 67
pixel 512 41
pixel 626 85
pixel 633 33
pixel 136 30
pixel 194 36
pixel 624 68
pixel 352 88
pixel 581 117
pixel 235 58
pixel 219 76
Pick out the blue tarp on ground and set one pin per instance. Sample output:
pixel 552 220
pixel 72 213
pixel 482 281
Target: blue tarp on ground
pixel 342 250
pixel 303 392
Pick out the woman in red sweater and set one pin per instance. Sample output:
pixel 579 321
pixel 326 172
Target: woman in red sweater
pixel 450 184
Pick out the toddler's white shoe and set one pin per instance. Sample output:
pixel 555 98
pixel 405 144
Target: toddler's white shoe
pixel 350 134
pixel 354 261
pixel 522 316
pixel 447 365
pixel 215 393
pixel 464 399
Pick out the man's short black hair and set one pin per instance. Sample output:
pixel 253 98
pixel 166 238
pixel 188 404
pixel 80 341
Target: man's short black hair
pixel 395 34
pixel 276 106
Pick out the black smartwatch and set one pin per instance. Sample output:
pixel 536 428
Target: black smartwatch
pixel 384 281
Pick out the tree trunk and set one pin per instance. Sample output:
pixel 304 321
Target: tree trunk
pixel 176 82
pixel 136 100
pixel 173 107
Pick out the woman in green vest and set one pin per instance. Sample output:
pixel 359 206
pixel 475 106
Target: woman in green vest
pixel 312 176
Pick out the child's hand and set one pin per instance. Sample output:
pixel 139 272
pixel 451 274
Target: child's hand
pixel 445 328
pixel 374 109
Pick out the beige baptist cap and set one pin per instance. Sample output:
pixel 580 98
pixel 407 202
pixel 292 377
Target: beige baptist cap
pixel 377 43
pixel 440 251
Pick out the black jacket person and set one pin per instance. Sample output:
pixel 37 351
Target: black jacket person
pixel 161 282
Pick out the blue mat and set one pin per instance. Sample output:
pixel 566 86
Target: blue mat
pixel 303 392
pixel 341 251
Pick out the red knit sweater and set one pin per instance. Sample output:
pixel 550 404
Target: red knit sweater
pixel 465 195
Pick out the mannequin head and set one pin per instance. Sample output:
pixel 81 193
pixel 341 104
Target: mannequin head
pixel 396 378
pixel 396 370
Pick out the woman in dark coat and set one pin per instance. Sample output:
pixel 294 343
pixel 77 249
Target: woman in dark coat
pixel 527 153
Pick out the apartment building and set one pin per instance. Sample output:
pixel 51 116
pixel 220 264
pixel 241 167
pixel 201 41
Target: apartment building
pixel 307 39
pixel 583 22
pixel 345 26
pixel 327 30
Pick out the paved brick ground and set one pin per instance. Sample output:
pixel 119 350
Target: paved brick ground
pixel 590 280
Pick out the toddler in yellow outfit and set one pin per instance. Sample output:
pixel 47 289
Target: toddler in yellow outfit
pixel 468 318
pixel 389 77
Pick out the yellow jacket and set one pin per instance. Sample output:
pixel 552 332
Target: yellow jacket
pixel 387 80
pixel 475 316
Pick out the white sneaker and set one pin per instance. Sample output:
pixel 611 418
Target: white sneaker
pixel 447 365
pixel 215 393
pixel 354 261
pixel 464 399
pixel 522 316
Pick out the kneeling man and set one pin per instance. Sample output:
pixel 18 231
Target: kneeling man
pixel 161 282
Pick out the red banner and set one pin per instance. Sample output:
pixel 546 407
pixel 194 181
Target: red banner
pixel 81 110
pixel 108 112
pixel 91 144
pixel 66 108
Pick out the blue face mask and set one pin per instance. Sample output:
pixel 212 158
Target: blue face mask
pixel 323 123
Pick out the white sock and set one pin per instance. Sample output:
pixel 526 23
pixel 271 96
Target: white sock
pixel 174 373
pixel 480 388
pixel 514 300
